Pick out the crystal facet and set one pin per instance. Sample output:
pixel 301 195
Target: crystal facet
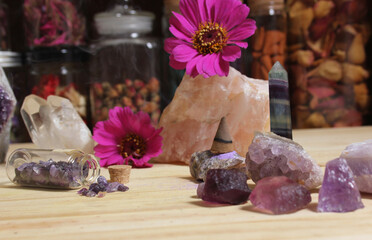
pixel 279 195
pixel 55 124
pixel 359 159
pixel 339 192
pixel 190 121
pixel 224 186
pixel 7 106
pixel 280 110
pixel 201 162
pixel 272 155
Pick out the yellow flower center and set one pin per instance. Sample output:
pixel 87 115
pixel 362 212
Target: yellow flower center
pixel 132 145
pixel 210 38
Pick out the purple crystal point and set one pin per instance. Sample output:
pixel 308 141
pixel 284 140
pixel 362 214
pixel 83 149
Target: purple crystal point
pixel 339 192
pixel 280 110
pixel 6 108
pixel 225 186
pixel 359 158
pixel 279 195
pixel 272 155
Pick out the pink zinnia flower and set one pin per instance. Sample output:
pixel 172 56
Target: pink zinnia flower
pixel 126 138
pixel 208 35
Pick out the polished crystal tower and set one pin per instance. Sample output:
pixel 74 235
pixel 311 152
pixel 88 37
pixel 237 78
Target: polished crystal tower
pixel 280 109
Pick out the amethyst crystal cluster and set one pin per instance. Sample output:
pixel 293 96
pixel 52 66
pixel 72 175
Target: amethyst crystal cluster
pixel 6 108
pixel 272 155
pixel 50 174
pixel 102 186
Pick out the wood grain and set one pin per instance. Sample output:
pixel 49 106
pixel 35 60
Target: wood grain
pixel 162 204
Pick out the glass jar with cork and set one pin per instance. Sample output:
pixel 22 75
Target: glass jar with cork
pixel 58 168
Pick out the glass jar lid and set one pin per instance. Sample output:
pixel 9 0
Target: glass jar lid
pixel 123 19
pixel 10 59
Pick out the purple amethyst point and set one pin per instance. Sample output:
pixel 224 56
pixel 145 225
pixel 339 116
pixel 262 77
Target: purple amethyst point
pixel 339 192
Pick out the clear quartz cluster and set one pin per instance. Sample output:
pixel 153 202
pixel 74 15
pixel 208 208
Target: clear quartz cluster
pixel 279 195
pixel 272 155
pixel 190 121
pixel 359 158
pixel 339 193
pixel 54 123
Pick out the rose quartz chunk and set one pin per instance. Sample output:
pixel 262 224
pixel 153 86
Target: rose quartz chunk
pixel 191 120
pixel 279 195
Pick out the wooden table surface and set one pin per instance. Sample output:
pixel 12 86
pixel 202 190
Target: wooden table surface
pixel 162 204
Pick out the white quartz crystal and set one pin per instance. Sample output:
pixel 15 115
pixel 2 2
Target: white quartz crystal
pixel 54 123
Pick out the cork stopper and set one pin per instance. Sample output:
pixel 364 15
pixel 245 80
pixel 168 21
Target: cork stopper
pixel 222 142
pixel 119 173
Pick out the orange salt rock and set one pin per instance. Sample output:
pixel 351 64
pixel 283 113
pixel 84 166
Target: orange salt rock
pixel 191 120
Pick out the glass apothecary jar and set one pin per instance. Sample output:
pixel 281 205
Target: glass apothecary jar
pixel 12 63
pixel 125 66
pixel 53 23
pixel 268 44
pixel 60 71
pixel 65 169
pixel 4 27
pixel 327 59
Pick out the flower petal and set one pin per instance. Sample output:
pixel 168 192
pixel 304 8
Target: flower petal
pixel 184 53
pixel 231 53
pixel 102 151
pixel 219 11
pixel 171 43
pixel 101 136
pixel 175 64
pixel 183 23
pixel 115 159
pixel 238 43
pixel 189 9
pixel 237 16
pixel 142 162
pixel 202 11
pixel 243 31
pixel 179 33
pixel 221 66
pixel 191 66
pixel 208 65
pixel 232 5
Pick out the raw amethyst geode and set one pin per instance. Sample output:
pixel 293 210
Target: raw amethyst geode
pixel 279 195
pixel 272 155
pixel 224 186
pixel 339 192
pixel 359 158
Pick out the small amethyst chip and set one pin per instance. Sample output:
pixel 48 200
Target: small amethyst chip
pixel 102 186
pixel 279 195
pixel 339 193
pixel 224 186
